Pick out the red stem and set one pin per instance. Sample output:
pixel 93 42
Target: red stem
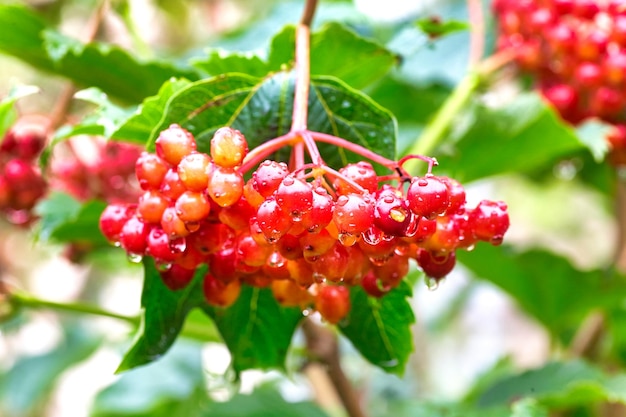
pixel 258 154
pixel 353 147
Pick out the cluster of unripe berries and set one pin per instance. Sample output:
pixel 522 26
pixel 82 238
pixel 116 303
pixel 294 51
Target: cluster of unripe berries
pixel 21 182
pixel 575 49
pixel 307 239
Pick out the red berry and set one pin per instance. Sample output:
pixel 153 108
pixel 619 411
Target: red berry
pixel 174 143
pixel 361 173
pixel 192 206
pixel 177 277
pixel 113 218
pixel 151 206
pixel 295 197
pixel 228 147
pixel 490 221
pixel 436 265
pixel 133 236
pixel 354 214
pixel 428 197
pixel 268 177
pixel 392 215
pixel 218 293
pixel 225 186
pixel 193 171
pixel 332 302
pixel 150 171
pixel 160 247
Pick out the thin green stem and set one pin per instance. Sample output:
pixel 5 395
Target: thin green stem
pixel 435 131
pixel 20 299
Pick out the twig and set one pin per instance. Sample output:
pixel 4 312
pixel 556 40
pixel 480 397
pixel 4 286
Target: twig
pixel 62 106
pixel 323 347
pixel 477 32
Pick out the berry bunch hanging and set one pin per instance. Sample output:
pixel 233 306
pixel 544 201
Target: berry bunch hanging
pixel 576 51
pixel 21 182
pixel 308 232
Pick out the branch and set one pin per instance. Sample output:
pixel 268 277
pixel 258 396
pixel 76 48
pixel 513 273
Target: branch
pixel 477 32
pixel 323 347
pixel 64 101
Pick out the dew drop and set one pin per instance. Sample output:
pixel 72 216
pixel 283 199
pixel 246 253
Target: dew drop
pixel 117 244
pixel 398 214
pixel 380 261
pixel 342 200
pixel 372 236
pixel 422 182
pixel 347 239
pixel 345 104
pixel 402 250
pixel 432 283
pixel 412 227
pixel 135 258
pixel 178 245
pixel 470 248
pixel 276 260
pixel 296 216
pixel 388 199
pixel 288 181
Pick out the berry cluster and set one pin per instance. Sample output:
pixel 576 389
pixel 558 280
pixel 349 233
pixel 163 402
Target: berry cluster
pixel 93 168
pixel 576 50
pixel 307 233
pixel 21 182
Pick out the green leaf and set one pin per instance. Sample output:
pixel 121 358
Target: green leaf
pixel 522 136
pixel 435 28
pixel 139 127
pixel 338 52
pixel 263 110
pixel 381 328
pixel 558 385
pixel 65 219
pixel 528 408
pixel 546 286
pixel 219 61
pixel 174 379
pixel 263 402
pixel 8 114
pixel 113 70
pixel 256 329
pixel 593 134
pixel 163 317
pixel 54 211
pixel 26 384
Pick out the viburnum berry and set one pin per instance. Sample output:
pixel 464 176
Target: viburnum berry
pixel 288 228
pixel 113 218
pixel 490 221
pixel 225 186
pixel 150 171
pixel 177 277
pixel 436 265
pixel 228 147
pixel 268 177
pixel 332 302
pixel 26 138
pixel 218 293
pixel 174 143
pixel 428 196
pixel 193 171
pixel 362 173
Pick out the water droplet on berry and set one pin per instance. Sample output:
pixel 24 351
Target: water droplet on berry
pixel 296 216
pixel 388 199
pixel 117 244
pixel 398 214
pixel 319 278
pixel 402 250
pixel 380 261
pixel 342 200
pixel 413 226
pixel 496 240
pixel 470 248
pixel 288 181
pixel 347 239
pixel 135 258
pixel 178 245
pixel 372 236
pixel 422 182
pixel 432 283
pixel 276 260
